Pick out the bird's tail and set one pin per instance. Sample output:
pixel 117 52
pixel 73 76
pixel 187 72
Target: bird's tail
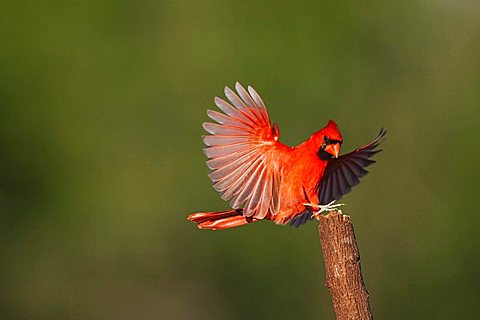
pixel 220 219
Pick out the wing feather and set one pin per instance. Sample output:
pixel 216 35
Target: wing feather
pixel 244 95
pixel 235 168
pixel 247 186
pixel 338 182
pixel 214 128
pixel 221 140
pixel 228 179
pixel 237 115
pixel 265 198
pixel 252 113
pixel 242 184
pixel 227 120
pixel 220 151
pixel 258 113
pixel 275 200
pixel 252 205
pixel 259 103
pixel 220 162
pixel 243 154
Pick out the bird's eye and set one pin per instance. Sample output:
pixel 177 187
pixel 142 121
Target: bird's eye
pixel 325 138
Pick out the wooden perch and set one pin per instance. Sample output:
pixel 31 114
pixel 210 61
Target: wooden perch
pixel 343 274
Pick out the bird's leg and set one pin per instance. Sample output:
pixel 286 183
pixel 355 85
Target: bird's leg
pixel 324 208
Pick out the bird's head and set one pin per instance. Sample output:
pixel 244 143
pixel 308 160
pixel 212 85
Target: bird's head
pixel 328 141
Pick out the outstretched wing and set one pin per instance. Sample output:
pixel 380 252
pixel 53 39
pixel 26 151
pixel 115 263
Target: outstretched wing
pixel 345 172
pixel 244 154
pixel 342 174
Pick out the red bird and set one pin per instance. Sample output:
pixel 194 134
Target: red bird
pixel 266 180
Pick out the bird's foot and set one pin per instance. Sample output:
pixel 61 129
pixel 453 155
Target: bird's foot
pixel 324 208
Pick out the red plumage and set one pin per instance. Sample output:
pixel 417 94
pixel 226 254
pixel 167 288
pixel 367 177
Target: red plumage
pixel 266 180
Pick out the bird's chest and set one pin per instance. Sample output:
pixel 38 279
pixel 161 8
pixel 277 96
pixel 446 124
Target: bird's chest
pixel 300 181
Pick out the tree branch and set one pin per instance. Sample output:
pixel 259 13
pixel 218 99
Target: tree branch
pixel 343 274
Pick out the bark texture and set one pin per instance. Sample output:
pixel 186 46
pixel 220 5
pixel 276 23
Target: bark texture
pixel 343 274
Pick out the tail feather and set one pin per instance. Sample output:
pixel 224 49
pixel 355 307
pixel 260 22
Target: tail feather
pixel 200 217
pixel 220 219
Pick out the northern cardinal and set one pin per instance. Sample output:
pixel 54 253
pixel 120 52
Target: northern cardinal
pixel 266 180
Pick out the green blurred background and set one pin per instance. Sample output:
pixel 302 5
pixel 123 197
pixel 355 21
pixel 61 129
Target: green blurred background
pixel 101 105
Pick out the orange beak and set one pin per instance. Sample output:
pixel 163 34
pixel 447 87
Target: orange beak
pixel 333 149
